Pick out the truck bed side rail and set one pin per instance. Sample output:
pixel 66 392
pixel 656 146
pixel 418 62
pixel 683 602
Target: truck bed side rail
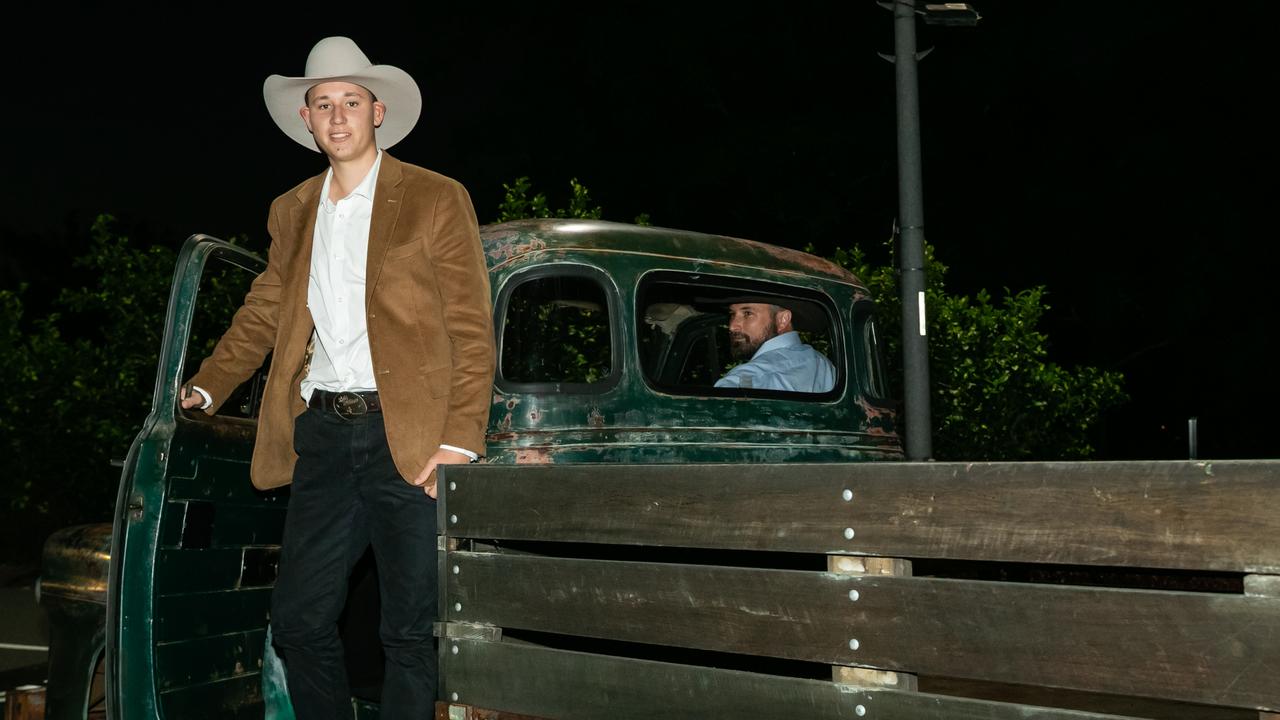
pixel 1064 590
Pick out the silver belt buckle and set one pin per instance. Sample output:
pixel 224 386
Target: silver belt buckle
pixel 350 405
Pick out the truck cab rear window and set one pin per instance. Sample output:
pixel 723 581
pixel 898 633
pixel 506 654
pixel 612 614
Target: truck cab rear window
pixel 556 333
pixel 706 335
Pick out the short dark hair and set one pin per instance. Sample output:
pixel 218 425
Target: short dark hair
pixel 306 96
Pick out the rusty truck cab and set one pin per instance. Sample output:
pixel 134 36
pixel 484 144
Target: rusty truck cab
pixel 611 338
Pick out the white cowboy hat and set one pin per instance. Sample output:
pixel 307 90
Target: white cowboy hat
pixel 339 59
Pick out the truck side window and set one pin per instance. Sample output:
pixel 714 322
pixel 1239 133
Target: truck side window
pixel 876 381
pixel 555 329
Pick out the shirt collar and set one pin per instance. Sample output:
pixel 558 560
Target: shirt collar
pixel 777 342
pixel 364 189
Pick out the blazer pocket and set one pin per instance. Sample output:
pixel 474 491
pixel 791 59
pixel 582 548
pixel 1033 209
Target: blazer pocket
pixel 439 381
pixel 407 250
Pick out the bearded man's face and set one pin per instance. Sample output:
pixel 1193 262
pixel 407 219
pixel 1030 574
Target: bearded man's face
pixel 750 326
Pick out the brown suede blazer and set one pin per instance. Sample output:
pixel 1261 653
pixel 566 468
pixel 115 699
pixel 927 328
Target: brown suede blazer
pixel 428 312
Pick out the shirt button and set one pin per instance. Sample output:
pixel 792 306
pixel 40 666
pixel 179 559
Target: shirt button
pixel 342 342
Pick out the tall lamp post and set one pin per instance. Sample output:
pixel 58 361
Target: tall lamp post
pixel 915 343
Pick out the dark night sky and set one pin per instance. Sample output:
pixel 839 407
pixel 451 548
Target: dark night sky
pixel 1120 153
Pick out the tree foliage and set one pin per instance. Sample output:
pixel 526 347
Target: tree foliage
pixel 517 205
pixel 555 341
pixel 79 383
pixel 994 393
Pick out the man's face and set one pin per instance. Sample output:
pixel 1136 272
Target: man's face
pixel 342 117
pixel 750 325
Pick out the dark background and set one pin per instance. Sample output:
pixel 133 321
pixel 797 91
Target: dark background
pixel 1120 153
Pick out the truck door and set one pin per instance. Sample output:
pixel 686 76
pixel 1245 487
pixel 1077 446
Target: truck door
pixel 194 546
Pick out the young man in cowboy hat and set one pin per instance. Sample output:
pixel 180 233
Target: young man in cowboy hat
pixel 764 331
pixel 375 302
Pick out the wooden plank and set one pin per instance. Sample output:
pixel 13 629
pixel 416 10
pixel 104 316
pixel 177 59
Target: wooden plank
pixel 1193 647
pixel 214 613
pixel 203 660
pixel 1154 709
pixel 1176 514
pixel 548 683
pixel 238 698
pixel 1203 648
pixel 786 614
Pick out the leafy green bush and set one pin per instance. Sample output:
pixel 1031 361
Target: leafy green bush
pixel 79 384
pixel 995 395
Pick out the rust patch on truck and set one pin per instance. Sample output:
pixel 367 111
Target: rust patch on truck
pixel 813 263
pixel 533 456
pixel 511 402
pixel 880 420
pixel 873 412
pixel 505 249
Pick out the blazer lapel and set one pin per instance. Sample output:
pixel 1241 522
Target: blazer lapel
pixel 302 218
pixel 388 197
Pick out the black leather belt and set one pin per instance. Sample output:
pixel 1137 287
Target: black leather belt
pixel 347 404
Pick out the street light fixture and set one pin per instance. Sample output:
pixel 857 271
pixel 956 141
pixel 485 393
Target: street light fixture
pixel 950 14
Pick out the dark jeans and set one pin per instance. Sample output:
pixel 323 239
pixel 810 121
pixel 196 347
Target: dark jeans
pixel 347 494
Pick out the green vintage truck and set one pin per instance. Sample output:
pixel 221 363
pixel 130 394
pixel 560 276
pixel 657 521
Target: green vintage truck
pixel 642 544
pixel 610 338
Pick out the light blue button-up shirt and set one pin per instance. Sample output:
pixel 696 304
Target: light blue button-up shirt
pixel 783 363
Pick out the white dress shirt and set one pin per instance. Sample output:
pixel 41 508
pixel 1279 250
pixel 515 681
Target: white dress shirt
pixel 335 290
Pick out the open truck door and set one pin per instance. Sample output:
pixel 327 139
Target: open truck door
pixel 194 546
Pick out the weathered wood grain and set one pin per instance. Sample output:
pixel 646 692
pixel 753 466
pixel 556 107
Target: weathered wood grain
pixel 567 685
pixel 1194 647
pixel 1215 516
pixel 1152 708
